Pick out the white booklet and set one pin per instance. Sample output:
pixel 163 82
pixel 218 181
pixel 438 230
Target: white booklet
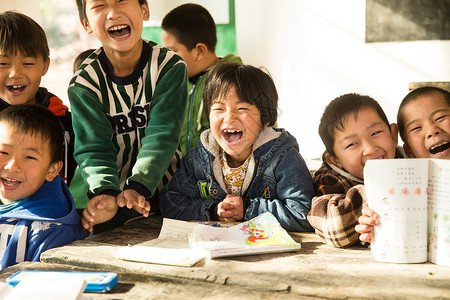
pixel 412 199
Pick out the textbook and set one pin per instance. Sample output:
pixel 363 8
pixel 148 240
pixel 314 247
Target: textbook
pixel 259 235
pixel 412 199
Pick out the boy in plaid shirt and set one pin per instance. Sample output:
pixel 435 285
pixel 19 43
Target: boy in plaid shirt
pixel 354 129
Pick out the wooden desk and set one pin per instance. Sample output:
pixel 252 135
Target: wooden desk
pixel 316 271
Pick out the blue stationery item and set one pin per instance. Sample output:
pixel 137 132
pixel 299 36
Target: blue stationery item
pixel 96 281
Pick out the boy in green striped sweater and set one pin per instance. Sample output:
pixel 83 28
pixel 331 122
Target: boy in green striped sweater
pixel 128 101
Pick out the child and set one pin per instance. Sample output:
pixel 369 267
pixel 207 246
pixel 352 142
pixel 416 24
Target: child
pixel 128 100
pixel 424 125
pixel 37 212
pixel 24 59
pixel 190 31
pixel 242 166
pixel 353 129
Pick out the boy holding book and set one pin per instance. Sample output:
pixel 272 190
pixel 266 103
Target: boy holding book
pixel 354 129
pixel 242 166
pixel 37 211
pixel 128 101
pixel 423 120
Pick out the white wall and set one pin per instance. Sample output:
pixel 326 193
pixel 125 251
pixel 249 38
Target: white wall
pixel 315 51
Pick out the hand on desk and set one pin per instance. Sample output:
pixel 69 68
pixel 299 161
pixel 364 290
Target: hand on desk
pixel 132 199
pixel 231 209
pixel 367 221
pixel 99 209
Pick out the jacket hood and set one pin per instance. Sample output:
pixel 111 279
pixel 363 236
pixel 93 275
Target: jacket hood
pixel 51 203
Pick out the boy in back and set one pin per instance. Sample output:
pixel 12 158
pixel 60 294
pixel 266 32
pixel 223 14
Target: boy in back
pixel 242 166
pixel 190 31
pixel 37 212
pixel 353 129
pixel 128 101
pixel 423 120
pixel 24 59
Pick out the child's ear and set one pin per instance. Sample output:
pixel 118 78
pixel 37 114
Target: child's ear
pixel 53 170
pixel 86 25
pixel 145 11
pixel 46 66
pixel 332 159
pixel 394 133
pixel 201 51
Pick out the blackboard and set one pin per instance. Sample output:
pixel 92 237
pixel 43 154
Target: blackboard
pixel 407 20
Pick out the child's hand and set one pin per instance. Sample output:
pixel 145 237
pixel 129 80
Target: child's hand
pixel 367 221
pixel 99 209
pixel 132 199
pixel 231 209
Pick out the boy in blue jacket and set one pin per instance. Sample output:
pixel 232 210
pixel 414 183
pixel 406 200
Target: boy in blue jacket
pixel 242 166
pixel 37 212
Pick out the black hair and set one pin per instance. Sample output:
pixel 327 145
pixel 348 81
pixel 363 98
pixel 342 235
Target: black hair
pixel 337 112
pixel 410 97
pixel 81 5
pixel 191 24
pixel 80 58
pixel 19 32
pixel 35 119
pixel 252 85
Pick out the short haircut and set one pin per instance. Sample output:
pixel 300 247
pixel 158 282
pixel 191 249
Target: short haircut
pixel 37 120
pixel 19 32
pixel 252 85
pixel 80 58
pixel 421 91
pixel 337 112
pixel 191 24
pixel 81 5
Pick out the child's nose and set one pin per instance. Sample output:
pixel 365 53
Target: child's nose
pixel 229 116
pixel 433 130
pixel 12 165
pixel 369 148
pixel 15 72
pixel 113 12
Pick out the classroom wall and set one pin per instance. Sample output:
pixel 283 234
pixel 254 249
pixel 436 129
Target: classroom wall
pixel 316 51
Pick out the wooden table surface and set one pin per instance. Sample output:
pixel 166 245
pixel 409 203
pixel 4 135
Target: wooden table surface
pixel 316 271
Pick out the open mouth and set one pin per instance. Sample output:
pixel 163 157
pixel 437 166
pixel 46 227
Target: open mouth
pixel 16 88
pixel 119 31
pixel 10 182
pixel 436 149
pixel 232 136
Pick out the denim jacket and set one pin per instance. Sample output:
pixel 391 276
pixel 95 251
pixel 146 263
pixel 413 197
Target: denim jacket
pixel 277 181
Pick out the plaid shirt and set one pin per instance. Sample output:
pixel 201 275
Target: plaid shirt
pixel 336 206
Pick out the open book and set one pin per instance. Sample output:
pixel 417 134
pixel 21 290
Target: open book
pixel 183 243
pixel 412 199
pixel 262 234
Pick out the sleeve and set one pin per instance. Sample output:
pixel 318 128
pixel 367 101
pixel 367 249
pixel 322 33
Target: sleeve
pixel 294 189
pixel 182 198
pixel 94 150
pixel 335 212
pixel 163 130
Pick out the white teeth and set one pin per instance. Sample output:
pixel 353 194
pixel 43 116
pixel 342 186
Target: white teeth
pixel 119 27
pixel 9 181
pixel 231 131
pixel 435 146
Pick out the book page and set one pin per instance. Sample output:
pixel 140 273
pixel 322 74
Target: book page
pixel 170 248
pixel 259 235
pixel 396 189
pixel 439 212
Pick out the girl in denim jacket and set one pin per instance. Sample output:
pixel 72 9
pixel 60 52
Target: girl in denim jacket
pixel 242 166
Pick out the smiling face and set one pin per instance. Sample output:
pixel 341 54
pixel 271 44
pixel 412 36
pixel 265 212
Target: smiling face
pixel 117 24
pixel 235 125
pixel 20 77
pixel 364 137
pixel 427 127
pixel 25 164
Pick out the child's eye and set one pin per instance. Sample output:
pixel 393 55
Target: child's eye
pixel 415 128
pixel 3 153
pixel 376 132
pixel 30 157
pixel 441 118
pixel 350 145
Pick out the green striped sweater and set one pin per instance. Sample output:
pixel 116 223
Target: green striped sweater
pixel 127 128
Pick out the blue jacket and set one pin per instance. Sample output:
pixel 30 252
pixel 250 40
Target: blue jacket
pixel 45 220
pixel 277 181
